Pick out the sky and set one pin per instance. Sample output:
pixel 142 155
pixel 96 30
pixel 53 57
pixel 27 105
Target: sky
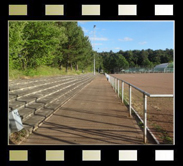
pixel 129 35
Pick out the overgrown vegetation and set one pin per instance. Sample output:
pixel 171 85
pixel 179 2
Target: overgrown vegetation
pixel 42 71
pixel 17 137
pixel 46 48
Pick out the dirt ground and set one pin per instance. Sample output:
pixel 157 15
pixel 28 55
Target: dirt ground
pixel 160 114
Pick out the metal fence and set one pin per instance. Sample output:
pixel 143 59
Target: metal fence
pixel 148 70
pixel 114 81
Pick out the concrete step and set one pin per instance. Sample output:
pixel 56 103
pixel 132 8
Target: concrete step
pixel 29 111
pixel 14 95
pixel 17 88
pixel 40 115
pixel 40 93
pixel 34 80
pixel 34 105
pixel 23 92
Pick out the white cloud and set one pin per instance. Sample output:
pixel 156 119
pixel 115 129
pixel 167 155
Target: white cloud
pixel 99 38
pixel 117 48
pixel 142 43
pixel 126 39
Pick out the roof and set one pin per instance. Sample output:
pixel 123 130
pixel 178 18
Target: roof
pixel 163 65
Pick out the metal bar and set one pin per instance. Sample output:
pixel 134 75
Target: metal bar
pixel 146 93
pixel 130 100
pixel 161 95
pixel 122 92
pixel 145 117
pixel 118 88
pixel 114 84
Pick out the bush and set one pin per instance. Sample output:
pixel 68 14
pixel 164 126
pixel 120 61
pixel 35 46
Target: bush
pixel 30 72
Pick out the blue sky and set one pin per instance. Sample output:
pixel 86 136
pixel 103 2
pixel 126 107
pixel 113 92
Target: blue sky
pixel 129 35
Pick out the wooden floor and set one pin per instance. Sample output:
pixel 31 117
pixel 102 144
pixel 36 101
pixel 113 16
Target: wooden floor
pixel 95 116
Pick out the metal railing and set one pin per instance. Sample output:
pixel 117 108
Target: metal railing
pixel 114 80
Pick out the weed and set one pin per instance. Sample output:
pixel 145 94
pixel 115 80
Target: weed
pixel 41 71
pixel 141 124
pixel 166 139
pixel 16 137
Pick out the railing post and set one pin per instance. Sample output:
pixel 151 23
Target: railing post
pixel 122 91
pixel 145 118
pixel 115 85
pixel 130 99
pixel 118 88
pixel 112 82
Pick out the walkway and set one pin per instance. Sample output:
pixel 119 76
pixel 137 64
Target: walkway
pixel 94 116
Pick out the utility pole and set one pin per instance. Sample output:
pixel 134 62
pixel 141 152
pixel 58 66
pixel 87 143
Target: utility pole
pixel 93 50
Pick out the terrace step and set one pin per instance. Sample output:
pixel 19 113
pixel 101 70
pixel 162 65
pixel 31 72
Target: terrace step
pixel 31 85
pixel 22 82
pixel 15 94
pixel 29 106
pixel 27 91
pixel 25 99
pixel 28 111
pixel 54 101
pixel 32 122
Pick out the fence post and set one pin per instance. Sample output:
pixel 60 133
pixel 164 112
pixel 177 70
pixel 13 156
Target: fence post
pixel 113 82
pixel 115 85
pixel 118 88
pixel 130 99
pixel 122 92
pixel 145 118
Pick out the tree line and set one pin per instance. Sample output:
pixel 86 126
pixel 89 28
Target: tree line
pixel 135 58
pixel 63 44
pixel 56 44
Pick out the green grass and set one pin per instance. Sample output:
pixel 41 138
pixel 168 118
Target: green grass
pixel 165 137
pixel 41 72
pixel 15 74
pixel 141 124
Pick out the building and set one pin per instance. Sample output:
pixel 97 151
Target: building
pixel 164 67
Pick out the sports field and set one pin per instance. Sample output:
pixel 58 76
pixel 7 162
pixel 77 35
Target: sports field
pixel 160 113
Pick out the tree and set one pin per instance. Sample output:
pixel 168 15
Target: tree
pixel 121 62
pixel 16 44
pixel 43 38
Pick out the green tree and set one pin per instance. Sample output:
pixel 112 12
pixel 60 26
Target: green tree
pixel 16 44
pixel 43 38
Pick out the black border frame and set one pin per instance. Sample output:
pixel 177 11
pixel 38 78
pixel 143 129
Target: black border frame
pixel 73 154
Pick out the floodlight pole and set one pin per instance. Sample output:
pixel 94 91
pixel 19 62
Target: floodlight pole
pixel 93 50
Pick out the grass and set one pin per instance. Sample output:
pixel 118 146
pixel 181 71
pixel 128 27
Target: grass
pixel 17 137
pixel 15 74
pixel 166 139
pixel 41 72
pixel 141 124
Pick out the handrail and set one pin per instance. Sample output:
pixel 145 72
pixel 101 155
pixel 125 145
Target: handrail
pixel 146 93
pixel 113 79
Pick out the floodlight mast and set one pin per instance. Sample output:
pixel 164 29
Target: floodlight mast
pixel 93 50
